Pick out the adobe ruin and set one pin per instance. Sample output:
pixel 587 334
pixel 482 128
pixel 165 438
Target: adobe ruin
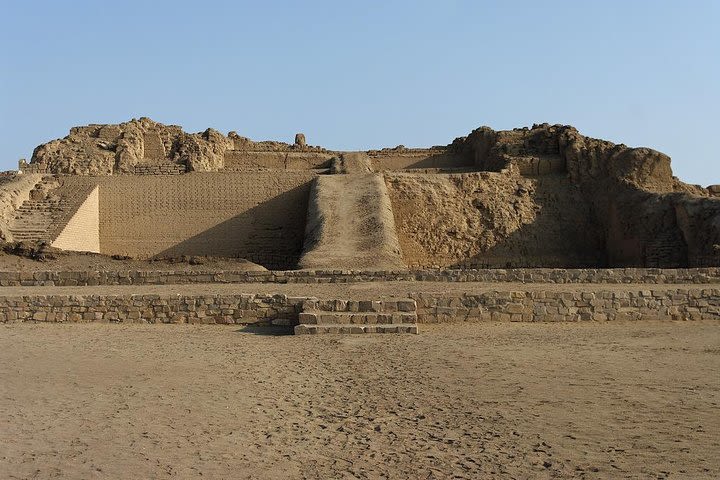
pixel 544 196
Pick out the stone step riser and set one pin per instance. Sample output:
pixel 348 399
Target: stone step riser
pixel 360 306
pixel 357 316
pixel 351 318
pixel 34 218
pixel 354 329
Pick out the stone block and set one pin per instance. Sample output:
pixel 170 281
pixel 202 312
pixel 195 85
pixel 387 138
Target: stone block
pixel 302 330
pixel 406 305
pixel 514 308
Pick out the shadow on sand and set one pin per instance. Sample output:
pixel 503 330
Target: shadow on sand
pixel 266 330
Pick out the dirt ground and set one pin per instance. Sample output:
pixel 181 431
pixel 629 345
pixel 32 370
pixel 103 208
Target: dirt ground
pixel 81 261
pixel 358 290
pixel 612 400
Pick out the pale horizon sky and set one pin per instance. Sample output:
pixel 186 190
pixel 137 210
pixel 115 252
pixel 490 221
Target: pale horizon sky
pixel 371 74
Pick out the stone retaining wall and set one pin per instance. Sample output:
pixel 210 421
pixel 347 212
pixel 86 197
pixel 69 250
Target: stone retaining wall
pixel 226 309
pixel 520 275
pixel 700 303
pixel 568 306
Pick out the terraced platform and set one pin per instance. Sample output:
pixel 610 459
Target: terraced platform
pixel 435 302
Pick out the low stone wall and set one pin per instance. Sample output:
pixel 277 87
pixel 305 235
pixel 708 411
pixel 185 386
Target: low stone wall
pixel 520 275
pixel 225 309
pixel 522 306
pixel 568 306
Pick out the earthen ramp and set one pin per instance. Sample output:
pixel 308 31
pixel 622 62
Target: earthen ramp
pixel 350 225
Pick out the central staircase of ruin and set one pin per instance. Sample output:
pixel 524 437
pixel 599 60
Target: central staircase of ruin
pixel 357 316
pixel 350 224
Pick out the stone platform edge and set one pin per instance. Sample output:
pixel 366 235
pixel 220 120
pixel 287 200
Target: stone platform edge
pixel 702 303
pixel 708 275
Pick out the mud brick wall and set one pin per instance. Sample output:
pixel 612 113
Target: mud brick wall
pixel 243 160
pixel 382 161
pixel 648 276
pixel 218 214
pixel 159 169
pixel 82 231
pixel 493 220
pixel 153 148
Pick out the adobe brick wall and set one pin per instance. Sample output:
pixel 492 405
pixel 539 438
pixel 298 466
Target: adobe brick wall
pixel 384 161
pixel 158 169
pixel 82 231
pixel 252 215
pixel 243 160
pixel 493 220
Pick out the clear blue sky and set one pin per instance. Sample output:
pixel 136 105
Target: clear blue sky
pixel 366 74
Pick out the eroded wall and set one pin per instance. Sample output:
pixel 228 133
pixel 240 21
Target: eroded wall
pixel 241 160
pixel 255 215
pixel 14 190
pixel 558 198
pixel 495 220
pixel 389 160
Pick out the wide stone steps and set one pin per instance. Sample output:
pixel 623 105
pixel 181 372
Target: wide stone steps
pixel 27 237
pixel 344 329
pixel 352 316
pixel 356 318
pixel 34 219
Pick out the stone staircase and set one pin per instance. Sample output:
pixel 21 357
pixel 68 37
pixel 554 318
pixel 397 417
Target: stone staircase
pixel 353 316
pixel 52 202
pixel 34 218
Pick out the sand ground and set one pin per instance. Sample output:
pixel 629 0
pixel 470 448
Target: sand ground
pixel 610 400
pixel 86 261
pixel 354 290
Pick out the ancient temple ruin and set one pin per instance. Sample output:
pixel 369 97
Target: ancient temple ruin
pixel 544 196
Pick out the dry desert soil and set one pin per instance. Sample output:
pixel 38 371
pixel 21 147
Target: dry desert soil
pixel 493 400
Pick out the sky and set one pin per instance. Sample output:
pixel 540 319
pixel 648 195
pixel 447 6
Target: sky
pixel 366 74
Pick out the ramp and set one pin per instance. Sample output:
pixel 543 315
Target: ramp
pixel 350 225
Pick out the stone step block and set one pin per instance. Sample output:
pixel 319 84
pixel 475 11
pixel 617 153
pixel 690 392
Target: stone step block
pixel 361 306
pixel 353 329
pixel 356 318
